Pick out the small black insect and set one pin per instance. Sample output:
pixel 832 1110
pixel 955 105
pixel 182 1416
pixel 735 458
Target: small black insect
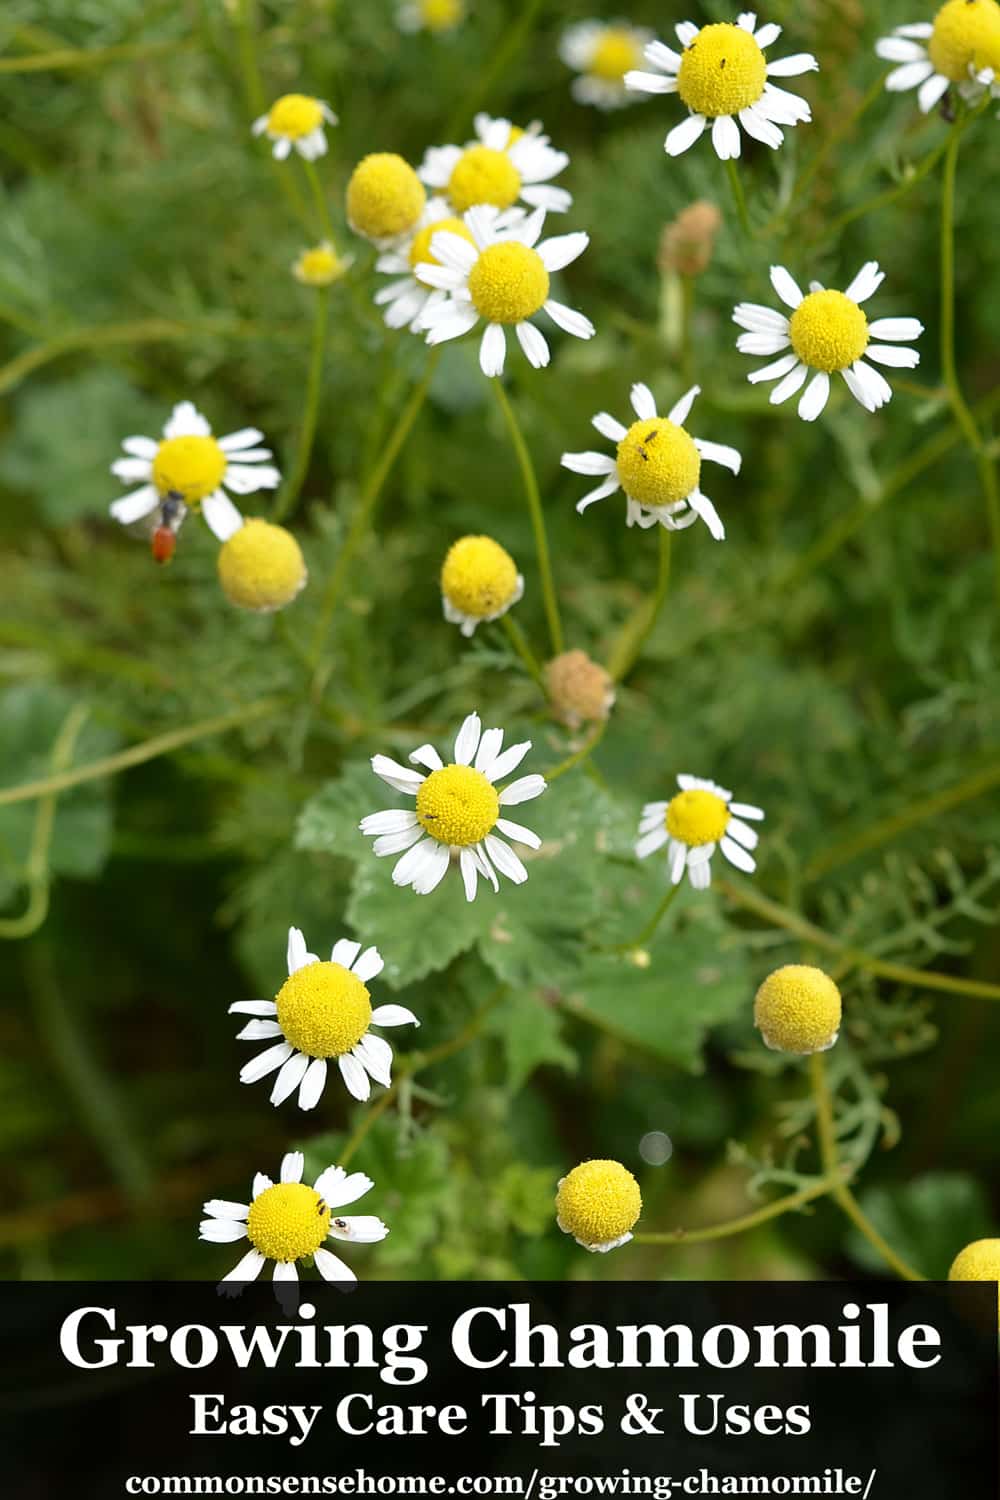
pixel 722 62
pixel 321 1208
pixel 340 1223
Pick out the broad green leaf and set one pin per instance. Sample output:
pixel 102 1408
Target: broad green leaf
pixel 328 823
pixel 530 1030
pixel 926 1221
pixel 416 935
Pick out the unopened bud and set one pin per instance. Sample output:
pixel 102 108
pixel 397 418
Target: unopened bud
pixel 686 243
pixel 580 691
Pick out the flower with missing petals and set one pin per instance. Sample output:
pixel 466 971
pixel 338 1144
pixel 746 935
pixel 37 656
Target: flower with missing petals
pixel 295 123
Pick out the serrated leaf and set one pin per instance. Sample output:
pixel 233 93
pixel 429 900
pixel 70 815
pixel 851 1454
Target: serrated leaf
pixel 417 935
pixel 328 823
pixel 926 1221
pixel 530 1030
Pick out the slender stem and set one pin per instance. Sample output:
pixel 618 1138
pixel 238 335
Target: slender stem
pixel 647 932
pixel 91 57
pixel 578 756
pixel 791 1201
pixel 497 62
pixel 738 197
pixel 889 195
pixel 832 140
pixel 636 634
pixel 319 198
pixel 534 499
pixel 245 21
pixel 366 507
pixel 519 641
pixel 136 755
pixel 840 1192
pixel 963 415
pixel 36 869
pixel 923 979
pixel 290 493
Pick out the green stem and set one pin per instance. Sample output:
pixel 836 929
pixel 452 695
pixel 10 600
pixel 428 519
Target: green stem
pixel 367 502
pixel 62 58
pixel 290 493
pixel 136 755
pixel 578 756
pixel 647 932
pixel 497 63
pixel 519 641
pixel 832 140
pixel 963 415
pixel 534 499
pixel 245 21
pixel 738 197
pixel 840 1192
pixel 889 195
pixel 319 199
pixel 635 636
pixel 730 1227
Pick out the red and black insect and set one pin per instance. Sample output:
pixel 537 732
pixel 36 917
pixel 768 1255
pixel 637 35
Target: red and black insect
pixel 163 542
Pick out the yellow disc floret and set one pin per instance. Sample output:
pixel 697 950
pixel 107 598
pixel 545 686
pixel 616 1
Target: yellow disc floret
pixel 482 175
pixel 658 463
pixel 479 577
pixel 457 805
pixel 828 331
pixel 615 53
pixel 798 1010
pixel 441 15
pixel 261 567
pixel 598 1203
pixel 320 266
pixel 697 817
pixel 722 71
pixel 966 35
pixel 508 283
pixel 323 1009
pixel 294 116
pixel 385 197
pixel 420 250
pixel 979 1261
pixel 288 1220
pixel 191 467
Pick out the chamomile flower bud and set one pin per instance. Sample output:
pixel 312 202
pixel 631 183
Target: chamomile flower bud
pixel 295 122
pixel 688 241
pixel 436 16
pixel 979 1261
pixel 261 567
pixel 580 691
pixel 320 266
pixel 479 582
pixel 598 1203
pixel 798 1010
pixel 385 197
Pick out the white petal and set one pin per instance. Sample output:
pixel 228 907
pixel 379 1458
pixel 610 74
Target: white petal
pixel 522 790
pixel 608 427
pixel 726 138
pixel 247 1269
pixel 454 326
pixel 467 740
pixel 588 463
pixel 354 1076
pixel 900 330
pixel 704 507
pixel 369 965
pixel 337 1188
pixel 292 1165
pixel 221 515
pixel 758 319
pixel 922 29
pixel 899 50
pixel 289 1078
pixel 747 810
pixel 505 859
pixel 791 67
pixel 401 778
pixel 128 470
pixel 492 350
pixel 426 755
pixel 662 56
pixel 375 1055
pixel 519 833
pixel 534 345
pixel 261 1183
pixel 221 1231
pixel 785 286
pixel 640 82
pixel 817 394
pixel 453 251
pixel 677 855
pixel 259 1031
pixel 685 31
pixel 428 867
pixel 877 386
pixel 569 320
pixel 866 283
pixel 253 1008
pixel 742 833
pixel 186 421
pixel 762 343
pixel 224 1208
pixel 893 356
pixel 607 488
pixel 766 35
pixel 360 1229
pixel 247 479
pixel 781 107
pixel 297 954
pixel 502 765
pixel 719 453
pixel 738 856
pixel 774 372
pixel 141 447
pixel 684 135
pixel 681 409
pixel 562 250
pixel 650 841
pixel 643 402
pixel 393 820
pixel 313 1083
pixel 265 1062
pixel 246 437
pixel 791 383
pixel 130 508
pixel 469 871
pixel 395 843
pixel 909 76
pixel 700 875
pixel 755 124
pixel 331 1267
pixel 393 1015
pixel 284 1270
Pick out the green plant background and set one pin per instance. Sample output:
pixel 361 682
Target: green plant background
pixel 834 661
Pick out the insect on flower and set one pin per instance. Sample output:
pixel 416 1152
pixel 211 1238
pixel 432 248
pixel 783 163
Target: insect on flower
pixel 163 541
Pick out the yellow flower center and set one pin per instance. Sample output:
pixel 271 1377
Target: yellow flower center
pixel 966 34
pixel 192 467
pixel 441 15
pixel 323 1010
pixel 385 197
pixel 457 805
pixel 508 283
pixel 722 71
pixel 979 1261
pixel 828 331
pixel 478 577
pixel 287 1221
pixel 797 1009
pixel 658 463
pixel 697 817
pixel 261 566
pixel 614 55
pixel 420 250
pixel 598 1201
pixel 319 267
pixel 294 115
pixel 482 175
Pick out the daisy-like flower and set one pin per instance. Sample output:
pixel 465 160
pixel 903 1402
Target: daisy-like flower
pixel 827 332
pixel 723 77
pixel 295 123
pixel 602 52
pixel 384 198
pixel 430 15
pixel 322 1011
pixel 479 583
pixel 598 1203
pixel 700 817
pixel 459 811
pixel 502 167
pixel 657 464
pixel 502 278
pixel 405 299
pixel 286 1221
pixel 961 45
pixel 189 467
pixel 320 266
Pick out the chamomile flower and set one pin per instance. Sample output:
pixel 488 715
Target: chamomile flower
pixel 459 811
pixel 658 465
pixel 322 1011
pixel 385 198
pixel 261 567
pixel 188 466
pixel 798 1010
pixel 827 332
pixel 286 1221
pixel 979 1261
pixel 479 582
pixel 503 279
pixel 598 1203
pixel 503 166
pixel 320 266
pixel 295 123
pixel 602 52
pixel 723 76
pixel 700 818
pixel 430 15
pixel 961 45
pixel 405 299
